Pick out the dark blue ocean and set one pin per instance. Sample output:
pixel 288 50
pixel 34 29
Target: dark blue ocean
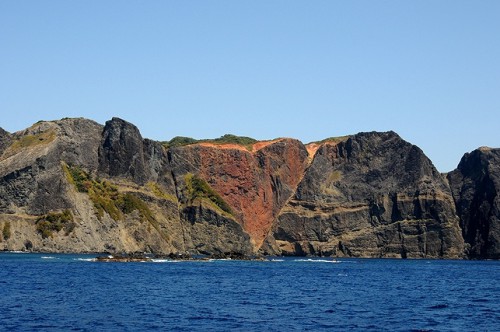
pixel 48 292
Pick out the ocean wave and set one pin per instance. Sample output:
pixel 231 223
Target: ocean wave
pixel 158 260
pixel 49 257
pixel 85 259
pixel 316 260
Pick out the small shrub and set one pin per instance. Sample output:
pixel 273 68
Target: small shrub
pixel 247 142
pixel 130 203
pixel 180 141
pixel 105 203
pixel 199 188
pixel 233 139
pixel 78 177
pixel 6 233
pixel 334 140
pixel 158 192
pixel 54 222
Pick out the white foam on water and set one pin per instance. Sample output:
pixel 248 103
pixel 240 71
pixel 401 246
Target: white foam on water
pixel 49 257
pixel 316 260
pixel 19 252
pixel 277 260
pixel 85 259
pixel 158 260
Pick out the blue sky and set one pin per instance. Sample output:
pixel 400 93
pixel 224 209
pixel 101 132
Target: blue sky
pixel 429 70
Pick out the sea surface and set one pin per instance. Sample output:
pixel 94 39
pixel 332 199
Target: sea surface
pixel 59 292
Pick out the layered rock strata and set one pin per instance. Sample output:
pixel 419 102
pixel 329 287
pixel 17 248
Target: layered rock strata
pixel 372 195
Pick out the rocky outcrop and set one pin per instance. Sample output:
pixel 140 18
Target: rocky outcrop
pixel 4 140
pixel 76 186
pixel 372 195
pixel 31 177
pixel 121 153
pixel 476 187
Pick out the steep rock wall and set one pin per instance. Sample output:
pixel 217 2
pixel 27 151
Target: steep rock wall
pixel 255 184
pixel 476 187
pixel 372 195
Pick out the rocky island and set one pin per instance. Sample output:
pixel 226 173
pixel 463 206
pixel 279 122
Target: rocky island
pixel 74 185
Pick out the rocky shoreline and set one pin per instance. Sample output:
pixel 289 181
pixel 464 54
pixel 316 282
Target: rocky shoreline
pixel 139 257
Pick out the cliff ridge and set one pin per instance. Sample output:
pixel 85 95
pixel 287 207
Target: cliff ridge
pixel 74 185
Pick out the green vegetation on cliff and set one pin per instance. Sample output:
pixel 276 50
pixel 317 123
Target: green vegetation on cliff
pixel 247 142
pixel 158 192
pixel 196 187
pixel 29 140
pixel 334 140
pixel 47 224
pixel 106 197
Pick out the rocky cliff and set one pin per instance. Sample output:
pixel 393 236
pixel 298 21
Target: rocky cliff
pixel 373 195
pixel 476 187
pixel 255 183
pixel 76 186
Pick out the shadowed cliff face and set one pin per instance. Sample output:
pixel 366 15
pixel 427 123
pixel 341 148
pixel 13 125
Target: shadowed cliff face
pixel 476 184
pixel 372 195
pixel 255 184
pixel 122 151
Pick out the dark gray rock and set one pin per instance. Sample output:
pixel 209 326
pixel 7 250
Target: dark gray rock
pixel 373 195
pixel 78 143
pixel 210 232
pixel 5 139
pixel 121 153
pixel 476 187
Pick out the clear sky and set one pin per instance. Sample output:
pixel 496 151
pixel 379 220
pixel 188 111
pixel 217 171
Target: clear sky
pixel 427 69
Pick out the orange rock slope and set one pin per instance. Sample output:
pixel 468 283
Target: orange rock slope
pixel 256 184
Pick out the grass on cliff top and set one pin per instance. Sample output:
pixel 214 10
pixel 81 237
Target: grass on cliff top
pixel 27 141
pixel 335 140
pixel 196 187
pixel 244 141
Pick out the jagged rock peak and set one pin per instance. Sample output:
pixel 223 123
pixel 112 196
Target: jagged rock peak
pixel 122 151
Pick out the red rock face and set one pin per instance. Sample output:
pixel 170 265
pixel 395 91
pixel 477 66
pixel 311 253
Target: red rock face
pixel 256 184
